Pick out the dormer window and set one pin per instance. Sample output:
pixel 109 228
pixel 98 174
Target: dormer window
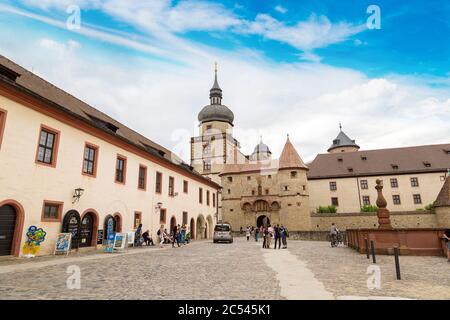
pixel 10 74
pixel 153 150
pixel 336 141
pixel 340 159
pixel 350 169
pixel 364 158
pixel 427 164
pixel 104 124
pixel 394 166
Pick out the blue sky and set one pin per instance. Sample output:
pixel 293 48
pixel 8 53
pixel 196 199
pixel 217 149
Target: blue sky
pixel 315 60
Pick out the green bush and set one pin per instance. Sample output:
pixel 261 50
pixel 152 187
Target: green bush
pixel 327 209
pixel 369 208
pixel 429 207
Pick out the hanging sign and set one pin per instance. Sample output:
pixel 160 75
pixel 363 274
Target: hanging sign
pixel 62 244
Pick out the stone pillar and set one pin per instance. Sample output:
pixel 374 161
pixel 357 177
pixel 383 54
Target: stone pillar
pixel 382 213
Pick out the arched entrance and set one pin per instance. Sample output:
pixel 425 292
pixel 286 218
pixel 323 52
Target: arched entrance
pixel 201 226
pixel 71 224
pixel 192 228
pixel 88 229
pixel 12 216
pixel 262 221
pixel 8 218
pixel 173 223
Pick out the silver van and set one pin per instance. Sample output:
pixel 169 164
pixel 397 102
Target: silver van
pixel 222 232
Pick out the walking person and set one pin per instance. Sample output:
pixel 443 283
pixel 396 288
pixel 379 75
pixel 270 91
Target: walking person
pixel 446 237
pixel 179 235
pixel 265 233
pixel 256 234
pixel 333 235
pixel 138 236
pixel 183 234
pixel 277 236
pixel 247 233
pixel 175 236
pixel 284 234
pixel 269 236
pixel 161 235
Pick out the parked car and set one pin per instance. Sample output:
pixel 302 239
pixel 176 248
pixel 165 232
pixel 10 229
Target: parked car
pixel 222 233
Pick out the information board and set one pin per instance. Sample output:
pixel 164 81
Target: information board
pixel 62 244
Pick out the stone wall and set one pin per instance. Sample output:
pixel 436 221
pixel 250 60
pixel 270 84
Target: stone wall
pixel 357 220
pixel 443 217
pixel 298 235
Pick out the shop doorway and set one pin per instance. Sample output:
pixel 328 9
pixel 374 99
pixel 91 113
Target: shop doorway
pixel 71 224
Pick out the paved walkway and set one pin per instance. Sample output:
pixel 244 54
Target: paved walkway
pixel 242 270
pixel 296 281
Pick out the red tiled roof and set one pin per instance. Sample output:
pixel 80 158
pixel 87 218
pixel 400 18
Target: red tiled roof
pixel 418 159
pixel 289 157
pixel 9 71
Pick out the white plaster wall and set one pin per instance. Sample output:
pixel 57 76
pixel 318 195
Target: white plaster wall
pixel 23 180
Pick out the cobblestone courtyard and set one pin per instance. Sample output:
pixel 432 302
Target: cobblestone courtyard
pixel 242 270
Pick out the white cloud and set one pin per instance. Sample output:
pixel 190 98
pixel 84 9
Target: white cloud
pixel 280 9
pixel 62 4
pixel 316 32
pixel 306 100
pixel 163 18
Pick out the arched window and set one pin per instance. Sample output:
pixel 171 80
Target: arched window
pixel 247 207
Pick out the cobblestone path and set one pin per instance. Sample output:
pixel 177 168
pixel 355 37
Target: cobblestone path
pixel 242 270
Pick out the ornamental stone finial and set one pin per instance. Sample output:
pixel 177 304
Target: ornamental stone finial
pixel 382 213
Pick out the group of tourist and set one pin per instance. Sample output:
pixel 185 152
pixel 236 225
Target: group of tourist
pixel 178 235
pixel 267 233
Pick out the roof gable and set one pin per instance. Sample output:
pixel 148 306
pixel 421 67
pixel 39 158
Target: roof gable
pixel 443 198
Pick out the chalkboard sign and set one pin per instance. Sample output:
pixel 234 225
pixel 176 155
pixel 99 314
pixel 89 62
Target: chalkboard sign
pixel 100 235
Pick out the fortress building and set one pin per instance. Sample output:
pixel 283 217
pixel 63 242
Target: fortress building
pixel 258 189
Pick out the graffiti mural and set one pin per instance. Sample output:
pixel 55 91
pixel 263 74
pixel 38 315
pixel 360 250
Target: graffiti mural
pixel 35 236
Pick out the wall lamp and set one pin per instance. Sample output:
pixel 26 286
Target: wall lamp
pixel 77 194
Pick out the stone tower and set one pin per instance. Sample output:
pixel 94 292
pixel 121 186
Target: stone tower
pixel 261 152
pixel 343 143
pixel 215 146
pixel 294 191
